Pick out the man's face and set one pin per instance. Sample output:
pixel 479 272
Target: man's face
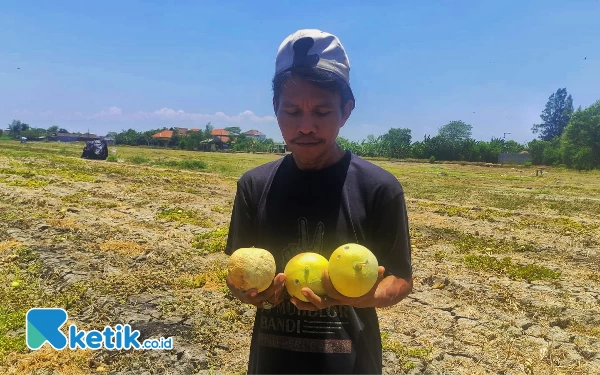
pixel 310 119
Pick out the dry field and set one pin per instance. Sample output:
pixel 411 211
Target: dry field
pixel 506 264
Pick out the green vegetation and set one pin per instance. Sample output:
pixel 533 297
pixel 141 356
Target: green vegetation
pixel 11 321
pixel 214 241
pixel 192 281
pixel 184 164
pixel 404 353
pixel 31 183
pixel 185 216
pixel 21 289
pixel 466 243
pixel 473 213
pixel 505 266
pixel 139 159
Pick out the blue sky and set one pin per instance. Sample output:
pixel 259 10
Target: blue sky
pixel 115 65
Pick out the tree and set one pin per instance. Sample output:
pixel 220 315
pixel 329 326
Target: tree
pixel 32 133
pixel 243 143
pixel 346 144
pixel 580 142
pixel 371 146
pixel 513 147
pixel 194 139
pixel 63 130
pixel 264 145
pixel 208 131
pixel 234 130
pixel 175 139
pixel 17 128
pixel 455 131
pixel 52 130
pixel 396 143
pixel 555 116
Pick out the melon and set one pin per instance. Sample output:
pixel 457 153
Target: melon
pixel 305 270
pixel 251 268
pixel 353 270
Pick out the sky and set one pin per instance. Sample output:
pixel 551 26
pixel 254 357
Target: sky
pixel 115 65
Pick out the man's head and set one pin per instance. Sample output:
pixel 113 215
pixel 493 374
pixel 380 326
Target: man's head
pixel 312 98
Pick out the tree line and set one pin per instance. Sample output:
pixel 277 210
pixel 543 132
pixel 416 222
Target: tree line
pixel 193 139
pixel 566 137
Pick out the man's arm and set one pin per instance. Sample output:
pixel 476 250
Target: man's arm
pixel 242 231
pixel 391 244
pixel 389 292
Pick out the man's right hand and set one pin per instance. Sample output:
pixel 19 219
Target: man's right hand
pixel 274 294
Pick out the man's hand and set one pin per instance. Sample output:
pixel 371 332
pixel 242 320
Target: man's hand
pixel 333 297
pixel 386 292
pixel 272 296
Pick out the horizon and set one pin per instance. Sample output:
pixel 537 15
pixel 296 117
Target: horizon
pixel 111 67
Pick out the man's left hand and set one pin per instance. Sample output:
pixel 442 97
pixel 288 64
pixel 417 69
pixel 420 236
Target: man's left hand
pixel 333 297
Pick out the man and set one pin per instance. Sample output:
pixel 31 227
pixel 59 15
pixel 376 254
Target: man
pixel 316 199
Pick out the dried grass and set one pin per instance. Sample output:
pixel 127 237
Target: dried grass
pixel 127 248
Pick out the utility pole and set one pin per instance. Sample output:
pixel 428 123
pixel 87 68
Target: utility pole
pixel 503 141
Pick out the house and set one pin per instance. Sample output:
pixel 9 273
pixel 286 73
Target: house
pixel 87 137
pixel 64 137
pixel 109 140
pixel 220 135
pixel 514 158
pixel 208 145
pixel 279 148
pixel 163 135
pixel 167 134
pixel 181 131
pixel 255 134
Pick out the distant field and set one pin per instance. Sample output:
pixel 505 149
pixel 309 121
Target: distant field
pixel 506 263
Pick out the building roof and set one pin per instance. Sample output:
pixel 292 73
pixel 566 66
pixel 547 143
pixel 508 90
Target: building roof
pixel 163 134
pixel 89 136
pixel 253 132
pixel 219 132
pixel 194 130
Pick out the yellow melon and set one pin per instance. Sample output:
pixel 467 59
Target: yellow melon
pixel 251 268
pixel 305 270
pixel 353 270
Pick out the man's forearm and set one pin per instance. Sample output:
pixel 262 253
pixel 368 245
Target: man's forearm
pixel 390 291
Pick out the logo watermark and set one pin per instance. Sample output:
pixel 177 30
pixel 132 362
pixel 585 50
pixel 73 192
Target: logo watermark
pixel 43 325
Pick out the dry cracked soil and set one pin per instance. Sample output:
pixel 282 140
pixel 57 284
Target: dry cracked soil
pixel 505 264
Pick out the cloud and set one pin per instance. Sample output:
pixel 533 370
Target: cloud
pixel 171 114
pixel 180 116
pixel 111 112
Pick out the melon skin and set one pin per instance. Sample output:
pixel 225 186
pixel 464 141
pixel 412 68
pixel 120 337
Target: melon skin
pixel 305 270
pixel 353 270
pixel 251 268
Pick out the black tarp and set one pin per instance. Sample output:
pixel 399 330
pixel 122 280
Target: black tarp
pixel 95 150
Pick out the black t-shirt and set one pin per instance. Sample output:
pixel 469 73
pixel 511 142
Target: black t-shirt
pixel 286 210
